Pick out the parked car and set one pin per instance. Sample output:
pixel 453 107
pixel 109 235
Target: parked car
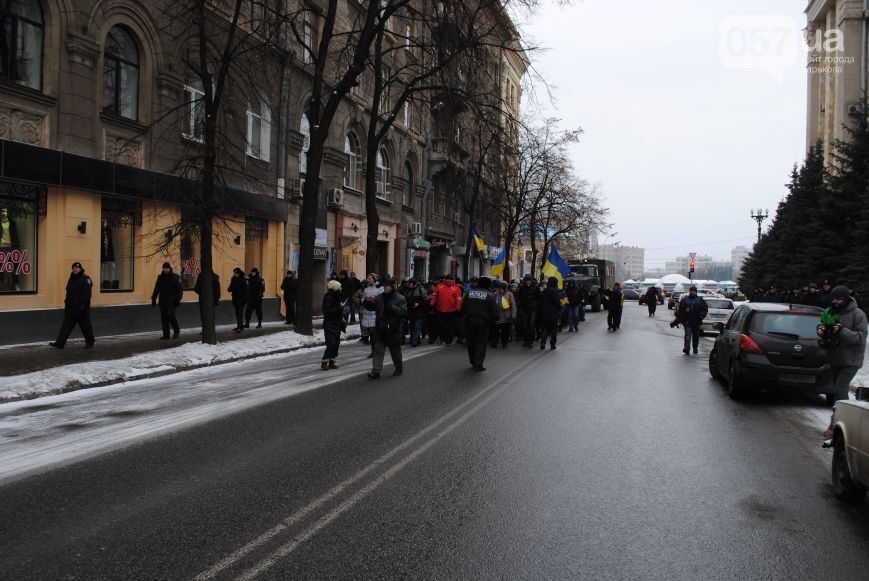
pixel 767 345
pixel 661 296
pixel 851 448
pixel 720 310
pixel 631 294
pixel 673 301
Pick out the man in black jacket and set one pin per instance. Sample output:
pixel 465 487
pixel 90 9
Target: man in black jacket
pixel 390 310
pixel 480 309
pixel 290 288
pixel 527 299
pixel 168 291
pixel 238 290
pixel 77 308
pixel 417 305
pixel 550 312
pixel 256 288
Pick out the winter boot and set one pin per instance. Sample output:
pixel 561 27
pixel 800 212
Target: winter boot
pixel 324 365
pixel 333 364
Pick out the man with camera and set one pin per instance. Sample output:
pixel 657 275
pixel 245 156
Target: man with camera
pixel 390 309
pixel 690 313
pixel 842 333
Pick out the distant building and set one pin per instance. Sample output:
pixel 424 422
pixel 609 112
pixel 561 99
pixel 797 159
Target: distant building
pixel 630 261
pixel 737 257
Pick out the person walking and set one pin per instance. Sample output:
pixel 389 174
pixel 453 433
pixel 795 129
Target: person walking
pixel 842 331
pixel 583 300
pixel 690 313
pixel 390 310
pixel 480 309
pixel 369 317
pixel 290 288
pixel 76 308
pixel 550 311
pixel 652 300
pixel 615 303
pixel 447 302
pixel 527 300
pixel 574 305
pixel 811 297
pixel 417 304
pixel 238 290
pixel 502 326
pixel 256 288
pixel 168 292
pixel 333 323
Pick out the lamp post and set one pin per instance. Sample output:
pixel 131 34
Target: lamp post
pixel 759 216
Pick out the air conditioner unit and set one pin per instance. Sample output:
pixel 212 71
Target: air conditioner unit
pixel 416 228
pixel 335 198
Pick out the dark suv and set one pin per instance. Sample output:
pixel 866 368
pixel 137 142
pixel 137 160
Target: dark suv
pixel 767 345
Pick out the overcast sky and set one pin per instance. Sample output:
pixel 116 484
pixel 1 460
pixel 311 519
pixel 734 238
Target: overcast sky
pixel 683 136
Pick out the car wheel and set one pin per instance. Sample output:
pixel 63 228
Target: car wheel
pixel 735 388
pixel 713 365
pixel 831 399
pixel 844 487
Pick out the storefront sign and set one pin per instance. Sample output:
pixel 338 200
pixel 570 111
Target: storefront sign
pixel 333 261
pixel 422 243
pixel 421 254
pixel 16 262
pixel 321 253
pixel 321 236
pixel 190 267
pixel 439 243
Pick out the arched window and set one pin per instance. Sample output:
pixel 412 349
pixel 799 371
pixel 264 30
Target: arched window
pixel 304 129
pixel 382 180
pixel 21 36
pixel 408 184
pixel 351 170
pixel 121 74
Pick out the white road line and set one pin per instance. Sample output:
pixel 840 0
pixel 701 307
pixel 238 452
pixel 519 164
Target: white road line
pixel 498 385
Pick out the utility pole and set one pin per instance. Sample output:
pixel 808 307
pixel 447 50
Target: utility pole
pixel 759 216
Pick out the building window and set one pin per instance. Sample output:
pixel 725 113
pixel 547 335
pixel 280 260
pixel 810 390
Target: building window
pixel 407 117
pixel 309 37
pixel 259 130
pixel 21 42
pixel 305 130
pixel 20 208
pixel 117 243
pixel 256 14
pixel 121 74
pixel 385 91
pixel 190 253
pixel 194 111
pixel 382 180
pixel 408 184
pixel 351 171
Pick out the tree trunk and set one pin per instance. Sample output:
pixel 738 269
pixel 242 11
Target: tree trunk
pixel 371 215
pixel 307 225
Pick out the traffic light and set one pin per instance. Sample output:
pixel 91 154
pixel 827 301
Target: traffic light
pixel 691 268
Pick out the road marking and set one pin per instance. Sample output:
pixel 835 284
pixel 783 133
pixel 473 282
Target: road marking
pixel 493 389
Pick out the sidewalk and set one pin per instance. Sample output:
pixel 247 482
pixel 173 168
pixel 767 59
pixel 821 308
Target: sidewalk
pixel 35 370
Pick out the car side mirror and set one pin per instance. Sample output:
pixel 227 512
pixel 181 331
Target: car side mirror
pixel 718 327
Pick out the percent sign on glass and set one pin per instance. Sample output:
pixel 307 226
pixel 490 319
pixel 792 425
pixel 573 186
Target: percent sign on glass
pixel 15 262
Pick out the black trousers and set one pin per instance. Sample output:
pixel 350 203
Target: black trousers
pixel 239 313
pixel 653 306
pixel 500 332
pixel 70 321
pixel 333 340
pixel 168 319
pixel 290 308
pixel 477 337
pixel 550 331
pixel 614 318
pixel 380 345
pixel 256 305
pixel 446 327
pixel 529 325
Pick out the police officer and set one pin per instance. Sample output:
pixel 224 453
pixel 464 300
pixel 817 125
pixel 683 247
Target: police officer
pixel 77 308
pixel 480 309
pixel 168 291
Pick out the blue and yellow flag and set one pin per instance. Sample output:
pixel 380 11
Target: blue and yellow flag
pixel 500 262
pixel 555 266
pixel 478 242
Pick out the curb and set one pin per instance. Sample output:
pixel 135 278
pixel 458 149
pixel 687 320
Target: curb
pixel 70 387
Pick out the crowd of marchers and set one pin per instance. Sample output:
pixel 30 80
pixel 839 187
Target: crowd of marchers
pixel 809 295
pixel 481 313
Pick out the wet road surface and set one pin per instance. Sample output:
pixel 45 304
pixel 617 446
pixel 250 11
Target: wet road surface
pixel 613 457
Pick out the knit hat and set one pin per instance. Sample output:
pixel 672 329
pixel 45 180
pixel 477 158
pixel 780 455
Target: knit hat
pixel 333 285
pixel 237 270
pixel 841 292
pixel 484 282
pixel 77 265
pixel 167 265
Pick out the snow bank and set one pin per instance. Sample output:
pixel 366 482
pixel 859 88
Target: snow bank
pixel 153 364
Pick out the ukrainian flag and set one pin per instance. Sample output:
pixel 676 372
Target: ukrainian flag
pixel 555 266
pixel 478 242
pixel 498 265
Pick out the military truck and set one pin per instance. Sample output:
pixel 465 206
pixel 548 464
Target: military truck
pixel 598 275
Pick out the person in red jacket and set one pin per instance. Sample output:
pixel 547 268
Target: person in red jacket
pixel 446 300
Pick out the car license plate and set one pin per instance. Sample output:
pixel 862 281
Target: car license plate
pixel 717 315
pixel 799 379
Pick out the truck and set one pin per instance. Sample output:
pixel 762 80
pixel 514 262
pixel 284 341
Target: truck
pixel 598 275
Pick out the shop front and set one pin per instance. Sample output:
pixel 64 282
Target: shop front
pixel 121 235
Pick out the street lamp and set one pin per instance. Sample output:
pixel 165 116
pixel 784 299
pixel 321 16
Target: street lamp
pixel 759 216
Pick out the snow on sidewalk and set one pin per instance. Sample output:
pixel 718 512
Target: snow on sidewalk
pixel 153 364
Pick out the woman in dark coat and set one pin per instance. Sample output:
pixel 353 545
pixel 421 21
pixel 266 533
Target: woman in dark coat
pixel 333 323
pixel 550 312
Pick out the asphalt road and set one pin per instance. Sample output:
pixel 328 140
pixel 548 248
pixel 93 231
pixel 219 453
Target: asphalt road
pixel 614 457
